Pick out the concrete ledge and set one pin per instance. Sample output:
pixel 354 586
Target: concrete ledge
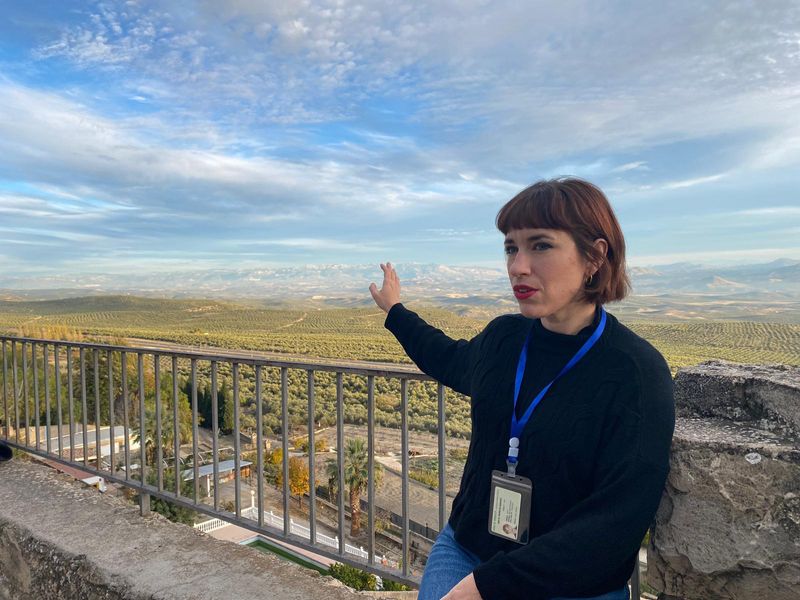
pixel 59 539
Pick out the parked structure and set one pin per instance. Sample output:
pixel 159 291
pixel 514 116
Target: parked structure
pixel 226 471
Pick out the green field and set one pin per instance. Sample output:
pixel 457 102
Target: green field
pixel 357 333
pixel 351 334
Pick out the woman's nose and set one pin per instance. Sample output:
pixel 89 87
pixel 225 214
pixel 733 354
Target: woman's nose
pixel 520 265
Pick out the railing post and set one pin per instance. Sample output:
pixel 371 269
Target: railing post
pixel 371 466
pixel 195 434
pixel 25 395
pixel 14 396
pixel 442 450
pixel 84 407
pixel 158 433
pixel 144 503
pixel 312 496
pixel 123 361
pixel 71 401
pixel 112 434
pixel 5 392
pixel 97 437
pixel 59 418
pixel 215 431
pixel 142 431
pixel 404 468
pixel 176 432
pixel 237 503
pixel 285 448
pixel 36 407
pixel 46 382
pixel 259 447
pixel 340 457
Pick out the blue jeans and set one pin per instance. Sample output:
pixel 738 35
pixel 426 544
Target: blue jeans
pixel 449 563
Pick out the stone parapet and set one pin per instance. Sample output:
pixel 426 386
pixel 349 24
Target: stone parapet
pixel 728 527
pixel 60 539
pixel 764 396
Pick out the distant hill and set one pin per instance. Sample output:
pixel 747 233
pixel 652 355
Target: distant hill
pixel 680 291
pixel 777 277
pixel 93 304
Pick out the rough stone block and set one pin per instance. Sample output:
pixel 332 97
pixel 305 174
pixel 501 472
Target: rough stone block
pixel 728 527
pixel 765 396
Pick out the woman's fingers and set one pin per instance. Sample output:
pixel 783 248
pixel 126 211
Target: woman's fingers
pixel 389 293
pixel 373 289
pixel 389 273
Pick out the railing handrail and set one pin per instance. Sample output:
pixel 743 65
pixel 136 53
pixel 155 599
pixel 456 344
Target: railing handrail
pixel 375 368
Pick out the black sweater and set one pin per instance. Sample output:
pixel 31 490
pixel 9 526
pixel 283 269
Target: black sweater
pixel 596 449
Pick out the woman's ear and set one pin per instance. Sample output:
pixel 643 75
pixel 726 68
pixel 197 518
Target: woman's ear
pixel 602 249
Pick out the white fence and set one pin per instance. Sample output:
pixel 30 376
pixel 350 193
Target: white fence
pixel 270 518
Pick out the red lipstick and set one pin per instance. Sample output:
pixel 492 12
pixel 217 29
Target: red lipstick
pixel 523 291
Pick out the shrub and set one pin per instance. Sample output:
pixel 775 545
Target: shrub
pixel 173 512
pixel 426 476
pixel 393 586
pixel 355 578
pixel 301 444
pixel 458 453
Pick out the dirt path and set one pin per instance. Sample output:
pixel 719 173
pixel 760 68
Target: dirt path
pixel 295 322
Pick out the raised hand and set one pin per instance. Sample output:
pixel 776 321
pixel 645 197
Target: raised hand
pixel 389 294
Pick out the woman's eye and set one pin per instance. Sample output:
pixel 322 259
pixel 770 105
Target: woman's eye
pixel 541 246
pixel 509 250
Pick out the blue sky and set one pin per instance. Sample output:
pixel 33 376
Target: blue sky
pixel 191 135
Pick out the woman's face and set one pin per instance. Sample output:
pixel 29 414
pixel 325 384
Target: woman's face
pixel 546 272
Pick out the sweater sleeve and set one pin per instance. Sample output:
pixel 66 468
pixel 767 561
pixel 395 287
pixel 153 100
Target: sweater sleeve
pixel 449 361
pixel 602 533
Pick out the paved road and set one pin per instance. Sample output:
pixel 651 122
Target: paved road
pixel 423 502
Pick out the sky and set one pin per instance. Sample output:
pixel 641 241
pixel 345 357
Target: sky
pixel 156 136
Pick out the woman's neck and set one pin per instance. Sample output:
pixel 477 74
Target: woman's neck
pixel 571 319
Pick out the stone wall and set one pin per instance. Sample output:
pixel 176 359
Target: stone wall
pixel 729 524
pixel 61 540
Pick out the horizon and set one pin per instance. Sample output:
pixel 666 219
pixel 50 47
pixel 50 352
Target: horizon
pixel 148 138
pixel 772 284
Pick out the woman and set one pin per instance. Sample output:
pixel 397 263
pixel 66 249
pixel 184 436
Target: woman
pixel 572 413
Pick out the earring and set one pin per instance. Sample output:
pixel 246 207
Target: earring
pixel 589 280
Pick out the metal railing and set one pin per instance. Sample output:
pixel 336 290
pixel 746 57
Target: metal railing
pixel 120 412
pixel 109 410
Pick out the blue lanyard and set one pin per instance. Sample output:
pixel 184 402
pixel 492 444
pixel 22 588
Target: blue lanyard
pixel 518 425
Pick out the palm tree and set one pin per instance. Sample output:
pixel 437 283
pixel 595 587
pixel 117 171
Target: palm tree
pixel 167 426
pixel 150 426
pixel 356 476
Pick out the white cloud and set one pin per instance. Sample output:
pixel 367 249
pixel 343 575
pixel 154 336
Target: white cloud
pixel 321 244
pixel 631 166
pixel 63 144
pixel 770 211
pixel 675 185
pixel 546 82
pixel 246 114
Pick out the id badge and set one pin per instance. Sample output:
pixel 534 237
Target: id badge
pixel 510 507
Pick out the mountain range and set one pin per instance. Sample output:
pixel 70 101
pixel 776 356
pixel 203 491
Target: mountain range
pixel 773 287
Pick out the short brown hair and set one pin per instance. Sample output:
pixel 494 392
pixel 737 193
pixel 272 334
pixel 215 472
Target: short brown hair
pixel 582 210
